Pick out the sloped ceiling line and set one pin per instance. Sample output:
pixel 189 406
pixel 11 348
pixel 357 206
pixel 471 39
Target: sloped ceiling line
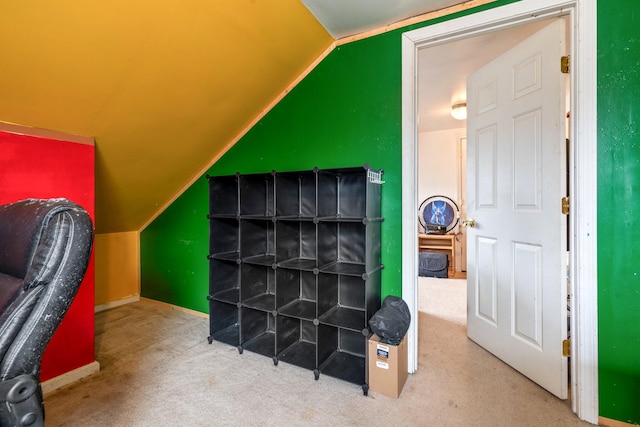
pixel 239 136
pixel 349 17
pixel 164 87
pixel 371 30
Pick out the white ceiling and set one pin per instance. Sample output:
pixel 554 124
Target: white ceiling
pixel 443 69
pixel 343 18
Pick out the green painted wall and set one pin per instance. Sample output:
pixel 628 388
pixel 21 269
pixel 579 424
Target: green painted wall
pixel 348 112
pixel 619 207
pixel 345 113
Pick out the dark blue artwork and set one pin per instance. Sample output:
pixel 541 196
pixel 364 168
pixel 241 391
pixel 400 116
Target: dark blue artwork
pixel 439 210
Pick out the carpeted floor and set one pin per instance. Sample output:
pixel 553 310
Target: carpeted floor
pixel 157 369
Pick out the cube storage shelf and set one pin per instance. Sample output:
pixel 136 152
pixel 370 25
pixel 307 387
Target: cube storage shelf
pixel 295 266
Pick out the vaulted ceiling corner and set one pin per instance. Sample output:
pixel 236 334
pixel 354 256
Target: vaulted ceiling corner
pixel 163 86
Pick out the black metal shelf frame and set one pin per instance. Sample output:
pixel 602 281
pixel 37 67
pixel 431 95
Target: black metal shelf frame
pixel 295 266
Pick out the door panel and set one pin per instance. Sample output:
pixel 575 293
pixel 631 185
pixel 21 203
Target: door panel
pixel 487 281
pixel 527 168
pixel 527 293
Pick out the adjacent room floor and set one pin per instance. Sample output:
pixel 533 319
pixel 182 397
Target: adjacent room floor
pixel 157 369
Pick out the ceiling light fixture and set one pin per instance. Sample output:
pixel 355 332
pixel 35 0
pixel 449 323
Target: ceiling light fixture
pixel 459 111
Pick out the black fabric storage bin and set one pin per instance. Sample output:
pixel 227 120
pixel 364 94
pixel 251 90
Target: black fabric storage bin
pixel 433 264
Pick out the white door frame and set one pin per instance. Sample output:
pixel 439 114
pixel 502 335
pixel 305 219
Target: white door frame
pixel 583 166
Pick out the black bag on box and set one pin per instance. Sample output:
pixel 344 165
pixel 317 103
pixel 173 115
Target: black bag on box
pixel 433 264
pixel 392 321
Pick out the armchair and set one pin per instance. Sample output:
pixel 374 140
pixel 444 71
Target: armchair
pixel 45 247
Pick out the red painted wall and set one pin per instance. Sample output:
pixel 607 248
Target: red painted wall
pixel 32 166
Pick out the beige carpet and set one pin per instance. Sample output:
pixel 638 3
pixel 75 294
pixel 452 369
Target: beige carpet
pixel 443 298
pixel 157 369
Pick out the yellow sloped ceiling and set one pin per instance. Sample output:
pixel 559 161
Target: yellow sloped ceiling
pixel 163 86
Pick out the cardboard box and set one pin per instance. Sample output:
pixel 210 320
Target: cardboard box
pixel 387 366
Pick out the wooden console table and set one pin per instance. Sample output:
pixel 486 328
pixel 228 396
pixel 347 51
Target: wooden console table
pixel 439 243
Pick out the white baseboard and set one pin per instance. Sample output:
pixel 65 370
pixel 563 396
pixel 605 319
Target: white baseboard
pixel 70 377
pixel 113 304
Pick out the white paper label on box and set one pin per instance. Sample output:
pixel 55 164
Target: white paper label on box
pixel 382 365
pixel 382 351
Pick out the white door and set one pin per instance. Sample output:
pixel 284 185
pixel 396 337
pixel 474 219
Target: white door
pixel 516 306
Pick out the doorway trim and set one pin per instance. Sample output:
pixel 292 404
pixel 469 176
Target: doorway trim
pixel 583 167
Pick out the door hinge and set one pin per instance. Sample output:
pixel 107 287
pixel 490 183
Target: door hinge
pixel 565 64
pixel 565 205
pixel 566 347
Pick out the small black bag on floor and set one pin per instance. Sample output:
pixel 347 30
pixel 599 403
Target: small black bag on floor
pixel 433 264
pixel 392 321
